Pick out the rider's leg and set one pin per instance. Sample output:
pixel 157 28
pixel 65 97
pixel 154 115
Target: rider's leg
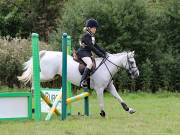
pixel 88 62
pixel 87 71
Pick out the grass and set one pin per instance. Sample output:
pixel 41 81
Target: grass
pixel 157 114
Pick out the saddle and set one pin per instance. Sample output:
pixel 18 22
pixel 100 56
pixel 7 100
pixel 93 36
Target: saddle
pixel 82 65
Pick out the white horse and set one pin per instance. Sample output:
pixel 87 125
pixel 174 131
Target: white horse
pixel 101 79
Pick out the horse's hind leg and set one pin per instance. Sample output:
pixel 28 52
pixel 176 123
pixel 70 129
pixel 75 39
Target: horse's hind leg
pixel 114 92
pixel 43 78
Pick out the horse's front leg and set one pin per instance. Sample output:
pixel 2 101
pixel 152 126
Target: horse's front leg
pixel 114 92
pixel 100 94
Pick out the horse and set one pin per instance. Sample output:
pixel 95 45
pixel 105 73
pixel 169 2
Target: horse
pixel 100 80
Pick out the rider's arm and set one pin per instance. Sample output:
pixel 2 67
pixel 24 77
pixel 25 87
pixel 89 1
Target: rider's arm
pixel 88 42
pixel 100 49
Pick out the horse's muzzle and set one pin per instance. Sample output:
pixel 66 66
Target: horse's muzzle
pixel 135 74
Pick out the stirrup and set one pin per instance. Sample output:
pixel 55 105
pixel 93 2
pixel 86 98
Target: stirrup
pixel 84 84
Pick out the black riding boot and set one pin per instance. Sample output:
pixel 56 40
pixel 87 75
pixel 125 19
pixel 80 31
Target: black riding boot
pixel 83 82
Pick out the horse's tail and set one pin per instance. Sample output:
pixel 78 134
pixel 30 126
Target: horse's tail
pixel 27 74
pixel 28 69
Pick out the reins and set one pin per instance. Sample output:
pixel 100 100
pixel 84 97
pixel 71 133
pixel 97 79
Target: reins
pixel 104 62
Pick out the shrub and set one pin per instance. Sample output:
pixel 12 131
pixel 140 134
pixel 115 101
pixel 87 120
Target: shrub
pixel 13 53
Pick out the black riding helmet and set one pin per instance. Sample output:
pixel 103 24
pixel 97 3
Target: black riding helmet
pixel 91 23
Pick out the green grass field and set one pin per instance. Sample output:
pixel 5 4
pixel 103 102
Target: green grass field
pixel 157 114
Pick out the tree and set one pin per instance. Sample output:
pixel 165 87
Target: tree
pixel 22 17
pixel 45 14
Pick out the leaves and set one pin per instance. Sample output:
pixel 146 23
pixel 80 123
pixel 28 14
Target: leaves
pixel 152 29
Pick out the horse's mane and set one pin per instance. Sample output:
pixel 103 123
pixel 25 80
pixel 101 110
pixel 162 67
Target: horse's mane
pixel 109 54
pixel 114 54
pixel 121 53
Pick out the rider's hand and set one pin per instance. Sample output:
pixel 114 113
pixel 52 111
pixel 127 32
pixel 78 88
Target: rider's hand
pixel 105 55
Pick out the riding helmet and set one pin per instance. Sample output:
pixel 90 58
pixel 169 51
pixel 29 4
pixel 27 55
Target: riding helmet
pixel 91 23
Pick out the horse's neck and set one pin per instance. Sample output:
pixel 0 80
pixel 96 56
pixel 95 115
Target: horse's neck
pixel 115 61
pixel 121 59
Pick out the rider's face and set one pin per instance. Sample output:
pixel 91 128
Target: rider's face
pixel 93 30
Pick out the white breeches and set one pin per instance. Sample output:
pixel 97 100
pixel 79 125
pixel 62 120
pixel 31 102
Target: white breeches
pixel 88 62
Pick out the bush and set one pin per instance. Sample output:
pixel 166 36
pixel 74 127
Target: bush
pixel 22 17
pixel 13 53
pixel 146 75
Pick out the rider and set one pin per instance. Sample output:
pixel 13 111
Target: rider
pixel 87 46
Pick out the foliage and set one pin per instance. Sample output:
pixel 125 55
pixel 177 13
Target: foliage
pixel 13 53
pixel 129 25
pixel 146 75
pixel 151 28
pixel 15 18
pixel 21 17
pixel 45 16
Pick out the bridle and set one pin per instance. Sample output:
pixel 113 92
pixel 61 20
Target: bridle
pixel 129 63
pixel 130 66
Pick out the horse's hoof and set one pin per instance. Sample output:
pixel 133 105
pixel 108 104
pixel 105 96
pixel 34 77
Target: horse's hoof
pixel 131 111
pixel 102 113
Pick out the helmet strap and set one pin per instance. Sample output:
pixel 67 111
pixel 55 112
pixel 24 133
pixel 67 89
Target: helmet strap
pixel 88 30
